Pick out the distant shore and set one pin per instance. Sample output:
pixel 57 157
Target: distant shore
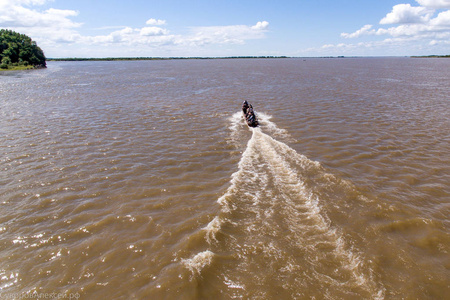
pixel 432 56
pixel 199 57
pixel 155 58
pixel 16 68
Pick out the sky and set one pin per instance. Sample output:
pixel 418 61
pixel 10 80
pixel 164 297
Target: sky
pixel 214 28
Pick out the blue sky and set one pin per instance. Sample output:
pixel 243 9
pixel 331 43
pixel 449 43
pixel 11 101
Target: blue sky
pixel 89 28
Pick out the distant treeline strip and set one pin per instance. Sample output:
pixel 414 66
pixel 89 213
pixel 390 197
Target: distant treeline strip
pixel 432 56
pixel 153 58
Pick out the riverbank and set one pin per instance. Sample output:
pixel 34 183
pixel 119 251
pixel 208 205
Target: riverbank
pixel 432 56
pixel 153 58
pixel 20 68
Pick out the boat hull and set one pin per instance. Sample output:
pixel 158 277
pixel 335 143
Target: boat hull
pixel 249 115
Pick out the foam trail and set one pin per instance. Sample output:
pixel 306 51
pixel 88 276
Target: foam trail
pixel 271 127
pixel 236 121
pixel 288 171
pixel 212 228
pixel 199 261
pixel 272 208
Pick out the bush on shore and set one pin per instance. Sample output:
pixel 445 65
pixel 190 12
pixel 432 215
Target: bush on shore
pixel 18 51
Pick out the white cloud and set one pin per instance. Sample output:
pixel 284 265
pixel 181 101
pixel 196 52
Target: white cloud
pixel 14 15
pixel 152 31
pixel 199 36
pixel 403 30
pixel 406 30
pixel 405 13
pixel 46 27
pixel 434 3
pixel 366 29
pixel 438 27
pixel 261 25
pixel 231 34
pixel 27 2
pixel 124 32
pixel 155 22
pixel 56 30
pixel 401 46
pixel 412 21
pixel 127 36
pixel 443 19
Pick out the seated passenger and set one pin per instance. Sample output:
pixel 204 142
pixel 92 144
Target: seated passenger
pixel 245 107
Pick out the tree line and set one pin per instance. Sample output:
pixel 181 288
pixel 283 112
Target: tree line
pixel 19 50
pixel 155 58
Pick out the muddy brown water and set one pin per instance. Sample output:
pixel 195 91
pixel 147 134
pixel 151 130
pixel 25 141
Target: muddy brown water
pixel 141 180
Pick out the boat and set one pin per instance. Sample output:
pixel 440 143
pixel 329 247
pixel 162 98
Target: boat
pixel 249 115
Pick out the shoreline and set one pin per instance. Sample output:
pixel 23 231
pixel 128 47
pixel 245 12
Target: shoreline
pixel 432 56
pixel 156 58
pixel 21 68
pixel 227 57
pixel 24 68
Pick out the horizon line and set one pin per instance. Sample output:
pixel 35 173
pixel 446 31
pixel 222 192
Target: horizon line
pixel 231 57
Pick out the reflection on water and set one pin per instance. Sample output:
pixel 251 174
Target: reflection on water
pixel 144 175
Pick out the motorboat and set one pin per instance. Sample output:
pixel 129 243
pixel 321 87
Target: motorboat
pixel 249 115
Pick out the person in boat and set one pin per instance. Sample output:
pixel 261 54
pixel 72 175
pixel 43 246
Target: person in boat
pixel 250 110
pixel 250 113
pixel 245 107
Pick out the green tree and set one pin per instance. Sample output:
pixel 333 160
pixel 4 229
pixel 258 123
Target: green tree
pixel 6 61
pixel 19 49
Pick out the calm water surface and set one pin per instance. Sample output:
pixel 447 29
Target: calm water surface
pixel 141 180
